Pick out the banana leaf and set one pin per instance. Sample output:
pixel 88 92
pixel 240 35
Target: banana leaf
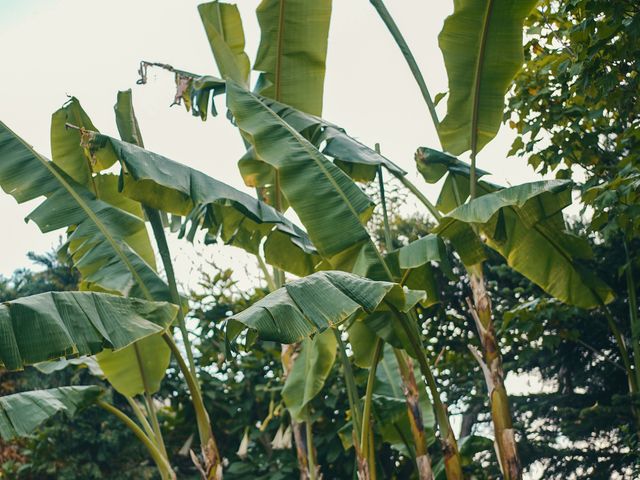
pixel 433 165
pixel 353 157
pixel 223 26
pixel 226 213
pixel 52 325
pixel 311 305
pixel 324 198
pixel 141 366
pixel 525 225
pixel 309 373
pixel 22 413
pixel 97 231
pixel 292 51
pixel 481 43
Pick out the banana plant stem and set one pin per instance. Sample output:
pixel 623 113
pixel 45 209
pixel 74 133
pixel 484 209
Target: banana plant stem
pixel 165 255
pixel 385 214
pixel 408 56
pixel 153 416
pixel 166 472
pixel 141 417
pixel 311 456
pixel 453 465
pixel 350 383
pixel 366 433
pixel 207 440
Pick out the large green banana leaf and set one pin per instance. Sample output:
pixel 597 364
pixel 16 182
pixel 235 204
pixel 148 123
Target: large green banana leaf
pixel 481 43
pixel 22 413
pixel 525 225
pixel 292 51
pixel 353 157
pixel 236 217
pixel 51 325
pixel 223 25
pixel 70 155
pixel 328 203
pixel 309 373
pixel 97 230
pixel 312 304
pixel 141 366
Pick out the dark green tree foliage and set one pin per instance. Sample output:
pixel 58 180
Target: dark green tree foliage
pixel 576 104
pixel 576 112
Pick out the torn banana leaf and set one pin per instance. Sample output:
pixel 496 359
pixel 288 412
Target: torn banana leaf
pixel 335 210
pixel 226 213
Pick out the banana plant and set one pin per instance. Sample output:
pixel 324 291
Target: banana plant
pixel 355 251
pixel 485 38
pixel 48 326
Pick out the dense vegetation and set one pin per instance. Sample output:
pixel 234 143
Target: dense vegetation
pixel 374 344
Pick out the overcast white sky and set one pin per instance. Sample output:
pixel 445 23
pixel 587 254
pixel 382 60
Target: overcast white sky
pixel 89 49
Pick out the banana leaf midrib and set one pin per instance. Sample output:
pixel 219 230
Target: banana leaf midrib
pixel 478 79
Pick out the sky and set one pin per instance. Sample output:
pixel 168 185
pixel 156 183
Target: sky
pixel 52 49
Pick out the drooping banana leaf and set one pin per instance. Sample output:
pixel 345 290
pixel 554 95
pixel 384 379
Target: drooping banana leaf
pixel 235 217
pixel 481 43
pixel 328 203
pixel 98 230
pixel 429 248
pixel 433 165
pixel 52 325
pixel 292 51
pixel 223 25
pixel 21 413
pixel 309 373
pixel 525 225
pixel 311 305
